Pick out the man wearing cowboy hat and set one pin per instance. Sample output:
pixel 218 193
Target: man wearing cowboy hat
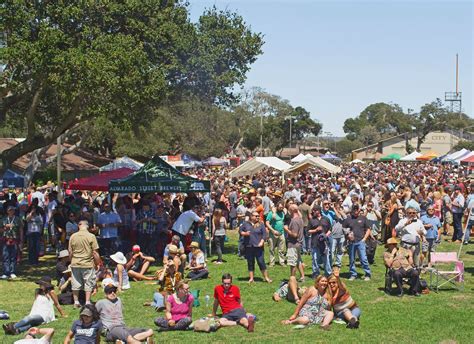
pixel 400 263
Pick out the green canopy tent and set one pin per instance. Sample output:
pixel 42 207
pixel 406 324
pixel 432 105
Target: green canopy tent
pixel 390 157
pixel 158 176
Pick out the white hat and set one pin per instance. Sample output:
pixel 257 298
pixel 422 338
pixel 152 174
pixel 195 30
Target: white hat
pixel 109 281
pixel 63 254
pixel 119 258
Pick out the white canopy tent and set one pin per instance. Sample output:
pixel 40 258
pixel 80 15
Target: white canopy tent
pixel 357 161
pixel 300 157
pixel 308 156
pixel 455 155
pixel 411 157
pixel 121 163
pixel 462 157
pixel 314 162
pixel 254 165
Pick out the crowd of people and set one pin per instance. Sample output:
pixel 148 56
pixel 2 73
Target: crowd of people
pixel 409 208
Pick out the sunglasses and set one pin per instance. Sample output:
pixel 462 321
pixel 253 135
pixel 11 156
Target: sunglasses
pixel 411 213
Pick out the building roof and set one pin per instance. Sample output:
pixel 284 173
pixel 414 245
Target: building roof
pixel 80 159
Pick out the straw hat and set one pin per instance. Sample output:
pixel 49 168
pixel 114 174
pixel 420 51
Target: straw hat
pixel 194 244
pixel 173 249
pixel 391 241
pixel 119 258
pixel 278 193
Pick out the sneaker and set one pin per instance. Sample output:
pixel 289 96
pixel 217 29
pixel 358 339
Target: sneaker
pixel 251 320
pixel 339 321
pixel 12 276
pixel 4 277
pixel 352 278
pixel 352 323
pixel 367 278
pixel 465 242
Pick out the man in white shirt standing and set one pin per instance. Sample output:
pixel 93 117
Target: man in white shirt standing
pixel 411 231
pixel 185 221
pixel 457 208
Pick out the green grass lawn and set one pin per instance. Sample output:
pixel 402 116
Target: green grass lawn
pixel 446 317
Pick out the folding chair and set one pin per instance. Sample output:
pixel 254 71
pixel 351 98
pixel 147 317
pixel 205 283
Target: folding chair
pixel 454 273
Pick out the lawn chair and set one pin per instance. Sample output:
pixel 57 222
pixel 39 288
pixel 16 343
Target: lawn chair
pixel 454 274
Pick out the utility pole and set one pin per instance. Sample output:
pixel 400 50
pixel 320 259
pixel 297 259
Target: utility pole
pixel 261 134
pixel 58 168
pixel 290 117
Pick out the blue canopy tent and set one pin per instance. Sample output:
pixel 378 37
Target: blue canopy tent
pixel 11 178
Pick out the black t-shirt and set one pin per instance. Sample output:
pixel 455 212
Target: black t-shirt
pixel 358 226
pixel 315 223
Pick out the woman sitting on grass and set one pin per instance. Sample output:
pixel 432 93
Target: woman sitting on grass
pixel 314 307
pixel 87 329
pixel 42 311
pixel 197 263
pixel 344 306
pixel 179 307
pixel 120 272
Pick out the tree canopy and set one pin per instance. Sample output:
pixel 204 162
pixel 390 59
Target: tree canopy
pixel 96 62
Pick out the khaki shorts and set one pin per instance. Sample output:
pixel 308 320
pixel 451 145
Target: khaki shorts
pixel 83 279
pixel 293 256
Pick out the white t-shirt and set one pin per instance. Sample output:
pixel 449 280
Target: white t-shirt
pixel 470 207
pixel 42 340
pixel 43 306
pixel 185 221
pixel 40 196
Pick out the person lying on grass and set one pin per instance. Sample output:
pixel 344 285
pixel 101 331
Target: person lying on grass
pixel 344 306
pixel 179 307
pixel 227 296
pixel 33 333
pixel 42 311
pixel 289 291
pixel 111 314
pixel 87 329
pixel 314 307
pixel 138 264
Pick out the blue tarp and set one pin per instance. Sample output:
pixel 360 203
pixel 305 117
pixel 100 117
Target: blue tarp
pixel 11 178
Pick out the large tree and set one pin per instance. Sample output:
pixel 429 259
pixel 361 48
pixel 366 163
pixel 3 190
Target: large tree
pixel 79 61
pixel 387 119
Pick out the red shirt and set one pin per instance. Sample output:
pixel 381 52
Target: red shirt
pixel 229 300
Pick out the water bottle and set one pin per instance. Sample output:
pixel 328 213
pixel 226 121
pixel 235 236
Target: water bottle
pixel 207 298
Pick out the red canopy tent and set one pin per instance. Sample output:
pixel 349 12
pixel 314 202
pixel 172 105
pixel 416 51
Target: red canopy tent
pixel 100 181
pixel 469 160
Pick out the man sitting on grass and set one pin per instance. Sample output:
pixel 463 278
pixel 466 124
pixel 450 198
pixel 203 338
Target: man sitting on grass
pixel 227 296
pixel 111 314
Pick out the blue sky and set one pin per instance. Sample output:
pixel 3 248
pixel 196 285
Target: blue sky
pixel 334 58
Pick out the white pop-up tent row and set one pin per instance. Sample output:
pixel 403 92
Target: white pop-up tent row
pixel 255 165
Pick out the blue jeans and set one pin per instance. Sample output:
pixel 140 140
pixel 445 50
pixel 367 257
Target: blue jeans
pixel 306 241
pixel 360 248
pixel 29 321
pixel 355 312
pixel 200 237
pixel 9 259
pixel 457 226
pixel 319 257
pixel 470 224
pixel 337 250
pixel 158 300
pixel 33 247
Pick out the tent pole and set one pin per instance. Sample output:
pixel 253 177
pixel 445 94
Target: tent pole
pixel 463 238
